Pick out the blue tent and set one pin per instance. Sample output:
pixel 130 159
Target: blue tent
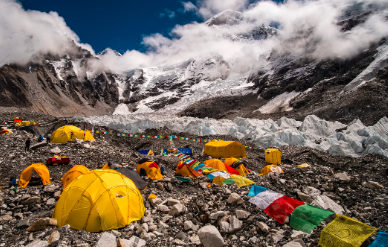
pixel 187 151
pixel 145 152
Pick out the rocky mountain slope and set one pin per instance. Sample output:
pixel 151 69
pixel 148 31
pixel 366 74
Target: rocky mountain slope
pixel 357 186
pixel 279 84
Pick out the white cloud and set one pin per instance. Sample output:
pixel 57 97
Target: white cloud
pixel 189 7
pixel 169 13
pixel 25 34
pixel 209 8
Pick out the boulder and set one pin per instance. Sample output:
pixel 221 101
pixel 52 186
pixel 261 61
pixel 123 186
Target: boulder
pixel 50 188
pixel 107 240
pixel 235 224
pixel 311 191
pixel 210 236
pixel 305 198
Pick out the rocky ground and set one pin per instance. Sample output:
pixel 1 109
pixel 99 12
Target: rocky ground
pixel 354 187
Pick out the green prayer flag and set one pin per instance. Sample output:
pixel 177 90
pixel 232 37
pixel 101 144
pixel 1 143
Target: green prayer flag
pixel 306 217
pixel 228 181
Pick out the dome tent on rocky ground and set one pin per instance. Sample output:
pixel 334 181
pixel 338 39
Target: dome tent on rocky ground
pixel 149 169
pixel 69 133
pixel 72 174
pixel 217 164
pixel 40 169
pixel 225 149
pixel 100 200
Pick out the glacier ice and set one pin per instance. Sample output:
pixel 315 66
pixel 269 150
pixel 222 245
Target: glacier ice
pixel 335 138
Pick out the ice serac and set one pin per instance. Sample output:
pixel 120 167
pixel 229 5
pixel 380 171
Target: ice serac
pixel 335 138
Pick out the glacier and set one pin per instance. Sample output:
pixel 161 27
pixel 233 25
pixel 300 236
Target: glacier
pixel 354 139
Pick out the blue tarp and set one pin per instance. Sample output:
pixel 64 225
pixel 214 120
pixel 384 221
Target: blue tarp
pixel 381 240
pixel 145 152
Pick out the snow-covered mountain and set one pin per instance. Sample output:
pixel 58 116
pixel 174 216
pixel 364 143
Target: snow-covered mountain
pixel 277 83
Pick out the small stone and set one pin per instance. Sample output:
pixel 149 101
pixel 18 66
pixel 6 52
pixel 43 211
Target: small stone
pixel 50 202
pixel 38 243
pixel 41 224
pixel 233 198
pixel 373 185
pixel 172 202
pixel 278 236
pixel 181 235
pixel 107 240
pixel 203 185
pixel 163 208
pixel 195 240
pixel 31 200
pixel 304 198
pixel 116 233
pixel 253 240
pixel 160 186
pixel 297 234
pixel 57 194
pixel 293 244
pixel 55 150
pixel 342 176
pixel 5 218
pixel 50 188
pixel 156 201
pixel 188 225
pixel 263 227
pixel 133 242
pixel 54 237
pixel 153 228
pixel 210 236
pixel 158 234
pixel 179 242
pixel 241 214
pixel 235 224
pixel 214 216
pixel 177 209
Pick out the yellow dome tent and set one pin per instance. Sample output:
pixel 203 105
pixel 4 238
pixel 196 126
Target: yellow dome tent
pixel 215 164
pixel 100 200
pixel 72 174
pixel 152 170
pixel 40 169
pixel 225 149
pixel 238 165
pixel 64 134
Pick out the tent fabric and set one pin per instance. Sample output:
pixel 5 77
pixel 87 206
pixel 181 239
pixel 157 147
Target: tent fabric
pixel 6 131
pixel 151 168
pixel 231 170
pixel 242 170
pixel 238 165
pixel 225 149
pixel 145 152
pixel 63 134
pixel 270 168
pixel 281 208
pixel 306 218
pixel 256 189
pixel 40 169
pixel 304 165
pixel 58 160
pixel 381 240
pixel 72 174
pixel 241 181
pixel 215 164
pixel 264 199
pixel 100 200
pixel 185 171
pixel 345 232
pixel 134 176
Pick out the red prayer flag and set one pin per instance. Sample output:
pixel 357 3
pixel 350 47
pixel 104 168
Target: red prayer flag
pixel 231 170
pixel 282 207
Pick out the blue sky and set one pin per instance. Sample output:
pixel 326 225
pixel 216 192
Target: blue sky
pixel 118 24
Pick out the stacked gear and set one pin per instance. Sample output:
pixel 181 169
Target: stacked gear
pixel 271 168
pixel 72 174
pixel 184 170
pixel 40 169
pixel 100 200
pixel 238 165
